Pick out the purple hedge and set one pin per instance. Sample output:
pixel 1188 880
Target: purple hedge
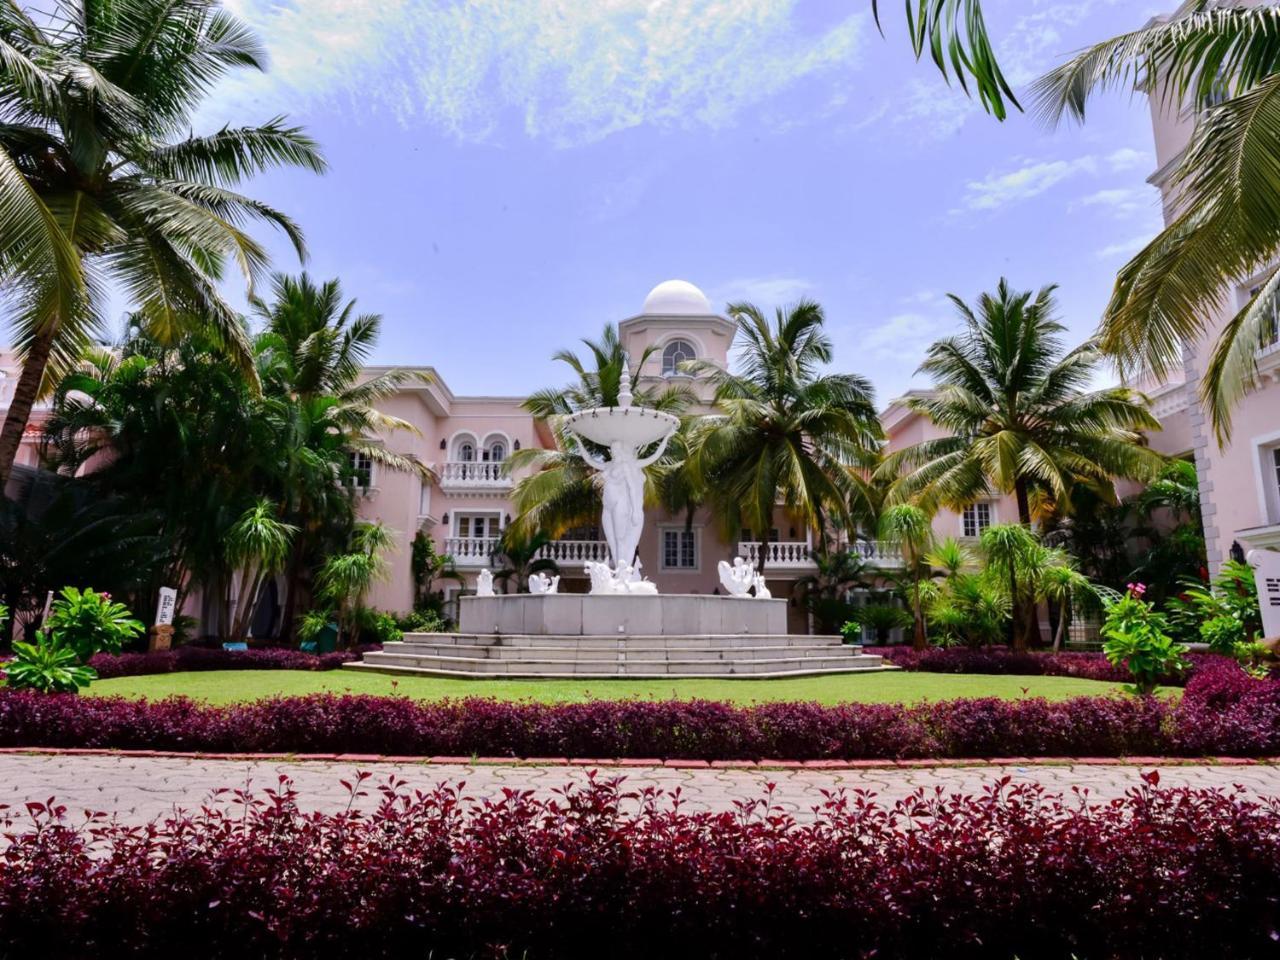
pixel 1221 712
pixel 600 872
pixel 110 665
pixel 1003 661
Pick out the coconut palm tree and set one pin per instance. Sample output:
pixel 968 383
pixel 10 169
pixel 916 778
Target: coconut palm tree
pixel 257 545
pixel 1222 60
pixel 560 491
pixel 786 435
pixel 908 527
pixel 309 358
pixel 102 182
pixel 1019 416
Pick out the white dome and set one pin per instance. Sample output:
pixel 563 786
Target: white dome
pixel 678 298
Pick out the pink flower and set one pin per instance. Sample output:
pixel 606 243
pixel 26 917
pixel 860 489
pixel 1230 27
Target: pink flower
pixel 1137 589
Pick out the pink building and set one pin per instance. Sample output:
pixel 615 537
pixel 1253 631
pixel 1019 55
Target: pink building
pixel 466 440
pixel 1239 483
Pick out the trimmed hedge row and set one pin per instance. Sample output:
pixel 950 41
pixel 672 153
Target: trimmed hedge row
pixel 1003 661
pixel 1222 712
pixel 109 665
pixel 600 872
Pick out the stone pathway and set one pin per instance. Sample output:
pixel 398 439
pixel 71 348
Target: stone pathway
pixel 138 789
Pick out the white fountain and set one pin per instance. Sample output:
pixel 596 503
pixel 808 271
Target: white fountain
pixel 623 627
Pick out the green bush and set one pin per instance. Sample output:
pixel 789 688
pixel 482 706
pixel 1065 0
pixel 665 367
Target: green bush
pixel 422 621
pixel 47 666
pixel 1223 634
pixel 882 618
pixel 1137 637
pixel 87 622
pixel 378 627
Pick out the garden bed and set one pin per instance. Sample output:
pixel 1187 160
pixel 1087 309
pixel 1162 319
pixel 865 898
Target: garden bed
pixel 1001 661
pixel 192 658
pixel 602 872
pixel 1222 712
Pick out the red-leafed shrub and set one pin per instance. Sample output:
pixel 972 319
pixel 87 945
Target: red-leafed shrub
pixel 599 872
pixel 215 658
pixel 1003 661
pixel 1222 711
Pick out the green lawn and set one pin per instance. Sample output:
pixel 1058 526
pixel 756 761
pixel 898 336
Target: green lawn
pixel 229 686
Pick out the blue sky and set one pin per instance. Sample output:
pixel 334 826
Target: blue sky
pixel 508 175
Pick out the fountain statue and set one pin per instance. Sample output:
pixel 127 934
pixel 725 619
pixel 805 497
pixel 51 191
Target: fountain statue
pixel 625 431
pixel 542 584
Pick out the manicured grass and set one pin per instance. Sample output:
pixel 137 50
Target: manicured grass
pixel 230 686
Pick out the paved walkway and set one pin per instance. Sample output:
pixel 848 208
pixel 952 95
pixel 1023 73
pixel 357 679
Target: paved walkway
pixel 138 789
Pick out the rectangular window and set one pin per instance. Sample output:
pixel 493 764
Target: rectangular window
pixel 1275 456
pixel 975 519
pixel 478 526
pixel 679 549
pixel 361 470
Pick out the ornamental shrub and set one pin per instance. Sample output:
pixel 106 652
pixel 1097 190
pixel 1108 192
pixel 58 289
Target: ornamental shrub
pixel 215 658
pixel 600 871
pixel 46 666
pixel 1138 637
pixel 88 622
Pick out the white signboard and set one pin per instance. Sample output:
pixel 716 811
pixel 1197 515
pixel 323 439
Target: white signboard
pixel 1266 568
pixel 165 608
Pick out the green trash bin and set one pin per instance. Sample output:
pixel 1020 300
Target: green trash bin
pixel 326 641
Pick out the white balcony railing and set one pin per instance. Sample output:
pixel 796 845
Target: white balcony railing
pixel 471 552
pixel 574 553
pixel 781 555
pixel 798 555
pixel 474 475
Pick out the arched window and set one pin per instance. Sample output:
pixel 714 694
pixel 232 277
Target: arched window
pixel 675 353
pixel 466 451
pixel 497 452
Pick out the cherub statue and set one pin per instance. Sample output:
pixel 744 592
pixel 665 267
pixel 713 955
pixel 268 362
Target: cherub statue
pixel 484 584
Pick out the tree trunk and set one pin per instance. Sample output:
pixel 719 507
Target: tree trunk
pixel 293 581
pixel 1064 617
pixel 1024 502
pixel 764 549
pixel 1026 618
pixel 919 640
pixel 24 398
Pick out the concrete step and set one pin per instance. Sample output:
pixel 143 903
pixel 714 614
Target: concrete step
pixel 805 669
pixel 612 652
pixel 537 666
pixel 637 642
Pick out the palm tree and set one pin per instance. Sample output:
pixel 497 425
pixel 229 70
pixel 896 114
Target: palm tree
pixel 908 527
pixel 257 545
pixel 346 578
pixel 1018 414
pixel 518 555
pixel 560 491
pixel 825 590
pixel 309 361
pixel 101 183
pixel 1033 573
pixel 786 435
pixel 1223 61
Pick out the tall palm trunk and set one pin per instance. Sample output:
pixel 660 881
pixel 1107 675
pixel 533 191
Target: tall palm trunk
pixel 293 583
pixel 1026 618
pixel 24 398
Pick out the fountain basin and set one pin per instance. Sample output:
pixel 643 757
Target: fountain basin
pixel 633 427
pixel 587 615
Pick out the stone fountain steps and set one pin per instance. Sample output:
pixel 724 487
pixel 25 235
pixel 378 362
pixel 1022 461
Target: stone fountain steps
pixel 463 655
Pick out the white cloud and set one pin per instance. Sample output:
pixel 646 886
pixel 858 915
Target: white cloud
pixel 1029 180
pixel 764 292
pixel 1126 158
pixel 569 72
pixel 1125 248
pixel 1120 201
